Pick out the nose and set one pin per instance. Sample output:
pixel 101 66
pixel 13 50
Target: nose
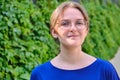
pixel 73 27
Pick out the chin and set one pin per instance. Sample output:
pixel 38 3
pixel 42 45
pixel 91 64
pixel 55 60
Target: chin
pixel 74 44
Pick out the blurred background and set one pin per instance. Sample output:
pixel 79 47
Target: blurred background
pixel 25 39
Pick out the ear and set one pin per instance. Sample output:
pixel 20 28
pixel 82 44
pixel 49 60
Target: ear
pixel 54 33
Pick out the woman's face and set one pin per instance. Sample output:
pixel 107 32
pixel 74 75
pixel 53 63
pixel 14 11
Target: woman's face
pixel 71 28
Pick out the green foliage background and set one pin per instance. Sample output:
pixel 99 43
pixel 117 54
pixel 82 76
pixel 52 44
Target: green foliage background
pixel 103 39
pixel 25 39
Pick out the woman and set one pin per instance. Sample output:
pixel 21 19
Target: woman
pixel 70 25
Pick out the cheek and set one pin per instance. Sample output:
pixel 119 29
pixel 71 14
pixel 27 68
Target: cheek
pixel 62 32
pixel 83 33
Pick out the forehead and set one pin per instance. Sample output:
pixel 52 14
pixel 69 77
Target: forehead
pixel 71 13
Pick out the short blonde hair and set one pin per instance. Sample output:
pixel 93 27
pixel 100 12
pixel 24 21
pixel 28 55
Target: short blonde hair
pixel 60 9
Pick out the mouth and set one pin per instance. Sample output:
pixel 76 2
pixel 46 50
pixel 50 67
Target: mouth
pixel 73 36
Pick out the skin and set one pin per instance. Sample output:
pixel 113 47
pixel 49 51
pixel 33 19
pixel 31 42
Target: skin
pixel 71 56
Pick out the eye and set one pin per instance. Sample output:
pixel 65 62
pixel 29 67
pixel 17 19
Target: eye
pixel 65 23
pixel 80 23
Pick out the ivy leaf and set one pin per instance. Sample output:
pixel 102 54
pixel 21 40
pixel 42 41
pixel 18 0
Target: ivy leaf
pixel 25 76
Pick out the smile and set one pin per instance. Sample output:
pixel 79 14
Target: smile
pixel 73 36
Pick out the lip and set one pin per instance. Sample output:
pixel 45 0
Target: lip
pixel 73 36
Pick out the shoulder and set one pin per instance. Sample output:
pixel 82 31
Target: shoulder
pixel 41 67
pixel 105 65
pixel 103 62
pixel 38 70
pixel 102 65
pixel 108 70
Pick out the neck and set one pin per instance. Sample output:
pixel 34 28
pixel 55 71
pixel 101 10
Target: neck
pixel 72 58
pixel 71 55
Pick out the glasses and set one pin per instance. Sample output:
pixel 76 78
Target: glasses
pixel 79 24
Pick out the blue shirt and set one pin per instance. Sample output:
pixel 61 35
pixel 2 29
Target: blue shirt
pixel 99 70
